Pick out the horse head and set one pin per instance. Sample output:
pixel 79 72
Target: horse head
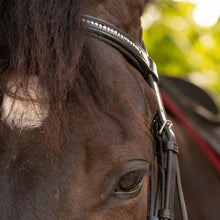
pixel 75 134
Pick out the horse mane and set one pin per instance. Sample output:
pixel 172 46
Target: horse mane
pixel 46 39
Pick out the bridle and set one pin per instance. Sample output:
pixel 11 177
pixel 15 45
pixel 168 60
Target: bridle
pixel 161 204
pixel 161 199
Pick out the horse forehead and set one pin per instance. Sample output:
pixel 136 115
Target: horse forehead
pixel 22 107
pixel 106 139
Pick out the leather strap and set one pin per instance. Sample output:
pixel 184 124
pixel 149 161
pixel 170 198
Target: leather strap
pixel 122 42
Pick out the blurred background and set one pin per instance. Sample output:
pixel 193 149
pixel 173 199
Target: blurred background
pixel 183 38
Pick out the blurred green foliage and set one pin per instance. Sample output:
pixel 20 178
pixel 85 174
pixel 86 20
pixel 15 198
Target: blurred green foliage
pixel 182 48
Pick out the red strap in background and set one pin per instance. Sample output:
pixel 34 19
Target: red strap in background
pixel 176 112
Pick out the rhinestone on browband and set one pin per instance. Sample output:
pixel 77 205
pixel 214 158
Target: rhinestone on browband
pixel 113 32
pixel 118 38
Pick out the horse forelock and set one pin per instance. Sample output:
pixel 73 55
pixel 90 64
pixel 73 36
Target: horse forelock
pixel 46 43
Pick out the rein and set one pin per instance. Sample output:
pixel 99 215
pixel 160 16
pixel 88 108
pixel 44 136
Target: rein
pixel 161 204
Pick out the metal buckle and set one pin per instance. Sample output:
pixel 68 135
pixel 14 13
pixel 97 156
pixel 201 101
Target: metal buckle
pixel 166 123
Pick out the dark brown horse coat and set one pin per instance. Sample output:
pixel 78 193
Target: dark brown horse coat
pixel 196 124
pixel 199 180
pixel 75 140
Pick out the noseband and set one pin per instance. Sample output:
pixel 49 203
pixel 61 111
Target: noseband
pixel 161 203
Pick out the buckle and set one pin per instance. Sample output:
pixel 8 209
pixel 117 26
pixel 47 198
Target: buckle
pixel 166 123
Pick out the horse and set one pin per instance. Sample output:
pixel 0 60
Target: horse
pixel 77 137
pixel 195 118
pixel 199 180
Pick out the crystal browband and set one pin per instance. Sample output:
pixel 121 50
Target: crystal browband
pixel 111 34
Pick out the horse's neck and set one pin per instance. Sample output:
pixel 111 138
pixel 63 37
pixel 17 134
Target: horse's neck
pixel 199 180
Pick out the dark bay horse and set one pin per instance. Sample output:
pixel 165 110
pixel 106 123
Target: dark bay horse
pixel 75 139
pixel 195 116
pixel 201 184
pixel 76 116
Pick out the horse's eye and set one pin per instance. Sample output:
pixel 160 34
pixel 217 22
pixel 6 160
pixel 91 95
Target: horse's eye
pixel 130 182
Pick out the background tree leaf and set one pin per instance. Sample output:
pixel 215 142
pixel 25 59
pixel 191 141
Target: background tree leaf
pixel 182 48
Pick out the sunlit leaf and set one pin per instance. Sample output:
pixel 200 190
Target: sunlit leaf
pixel 182 48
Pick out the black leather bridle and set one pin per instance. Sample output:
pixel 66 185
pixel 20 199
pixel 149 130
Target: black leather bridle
pixel 168 176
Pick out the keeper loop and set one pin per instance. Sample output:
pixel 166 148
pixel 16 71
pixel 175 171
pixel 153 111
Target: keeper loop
pixel 166 214
pixel 171 146
pixel 152 218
